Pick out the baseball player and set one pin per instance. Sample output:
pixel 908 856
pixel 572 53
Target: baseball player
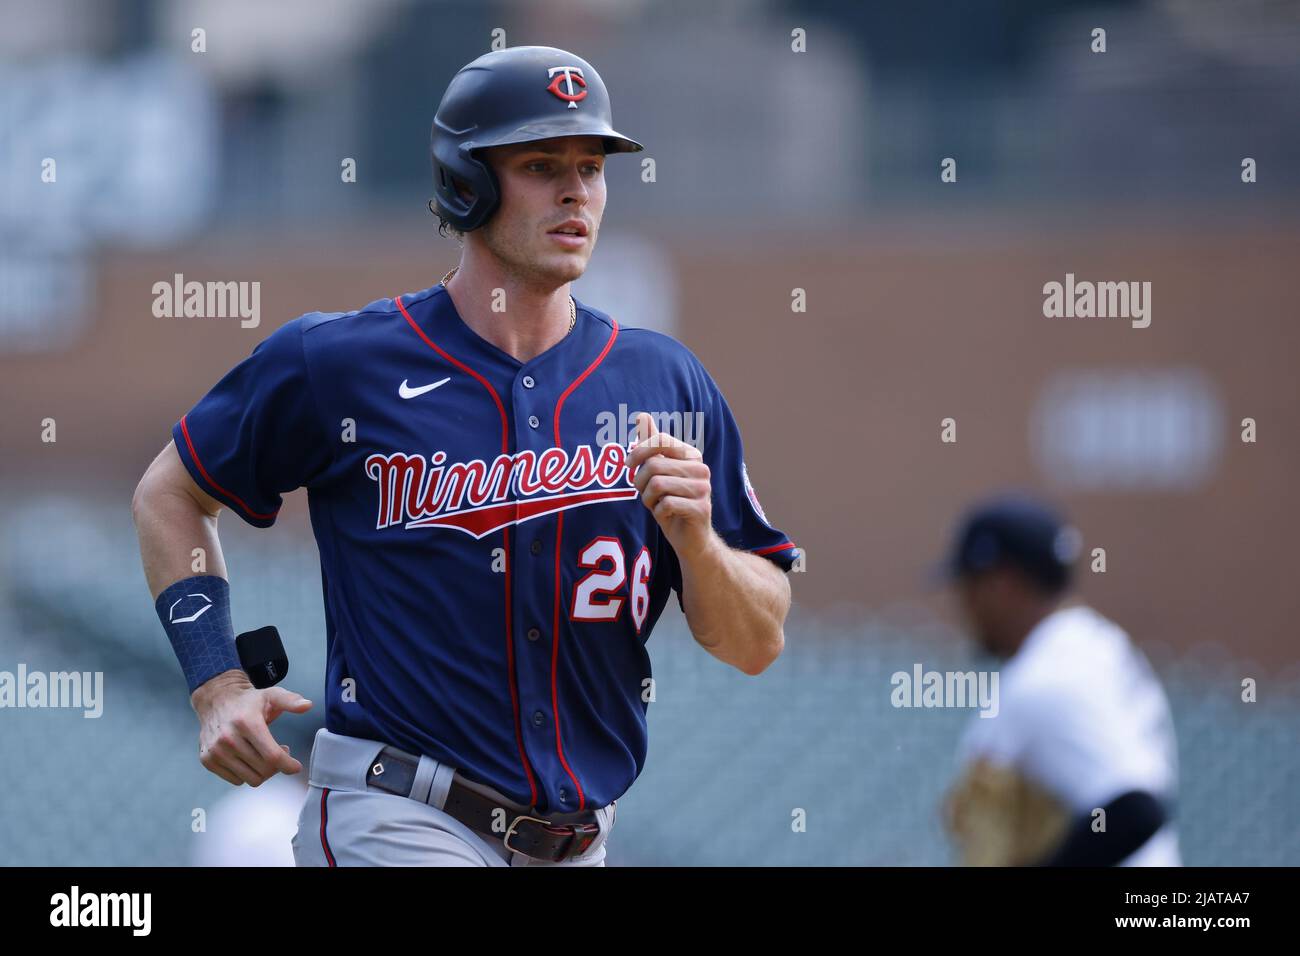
pixel 1079 765
pixel 493 561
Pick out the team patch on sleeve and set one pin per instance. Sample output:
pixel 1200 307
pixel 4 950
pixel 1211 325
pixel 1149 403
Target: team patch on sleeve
pixel 753 496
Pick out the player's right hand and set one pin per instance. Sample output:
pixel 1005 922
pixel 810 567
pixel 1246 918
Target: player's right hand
pixel 235 739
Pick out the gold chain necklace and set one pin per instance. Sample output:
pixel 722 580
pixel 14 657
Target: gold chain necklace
pixel 573 309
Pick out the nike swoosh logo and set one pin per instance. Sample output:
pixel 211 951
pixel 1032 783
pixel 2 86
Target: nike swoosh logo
pixel 407 392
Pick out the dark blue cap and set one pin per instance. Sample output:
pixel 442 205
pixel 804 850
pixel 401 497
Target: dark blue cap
pixel 1014 530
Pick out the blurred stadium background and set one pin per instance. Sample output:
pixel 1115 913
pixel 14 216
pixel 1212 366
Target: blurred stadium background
pixel 774 170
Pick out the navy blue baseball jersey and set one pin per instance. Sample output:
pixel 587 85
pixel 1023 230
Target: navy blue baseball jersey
pixel 490 573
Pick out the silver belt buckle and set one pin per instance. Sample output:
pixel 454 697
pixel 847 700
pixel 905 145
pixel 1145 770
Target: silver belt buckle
pixel 581 837
pixel 511 832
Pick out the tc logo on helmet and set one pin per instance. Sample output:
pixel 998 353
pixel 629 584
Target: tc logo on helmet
pixel 568 75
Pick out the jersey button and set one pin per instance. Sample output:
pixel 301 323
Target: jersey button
pixel 536 546
pixel 534 633
pixel 538 718
pixel 534 421
pixel 528 381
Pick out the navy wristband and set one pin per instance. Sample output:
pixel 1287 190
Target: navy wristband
pixel 195 613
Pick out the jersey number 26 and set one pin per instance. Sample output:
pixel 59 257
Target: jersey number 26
pixel 597 596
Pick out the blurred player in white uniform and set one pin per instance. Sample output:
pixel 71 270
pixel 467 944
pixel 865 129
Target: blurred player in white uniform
pixel 1079 765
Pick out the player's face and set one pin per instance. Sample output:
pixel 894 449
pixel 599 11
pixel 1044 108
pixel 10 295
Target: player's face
pixel 545 185
pixel 981 604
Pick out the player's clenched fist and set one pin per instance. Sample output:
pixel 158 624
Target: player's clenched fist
pixel 674 484
pixel 235 740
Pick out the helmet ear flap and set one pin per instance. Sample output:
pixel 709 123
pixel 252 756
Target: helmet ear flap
pixel 486 194
pixel 466 213
pixel 449 196
pixel 456 185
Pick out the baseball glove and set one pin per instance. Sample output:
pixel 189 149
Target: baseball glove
pixel 999 818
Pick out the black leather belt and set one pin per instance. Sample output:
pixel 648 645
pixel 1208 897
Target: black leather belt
pixel 393 771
